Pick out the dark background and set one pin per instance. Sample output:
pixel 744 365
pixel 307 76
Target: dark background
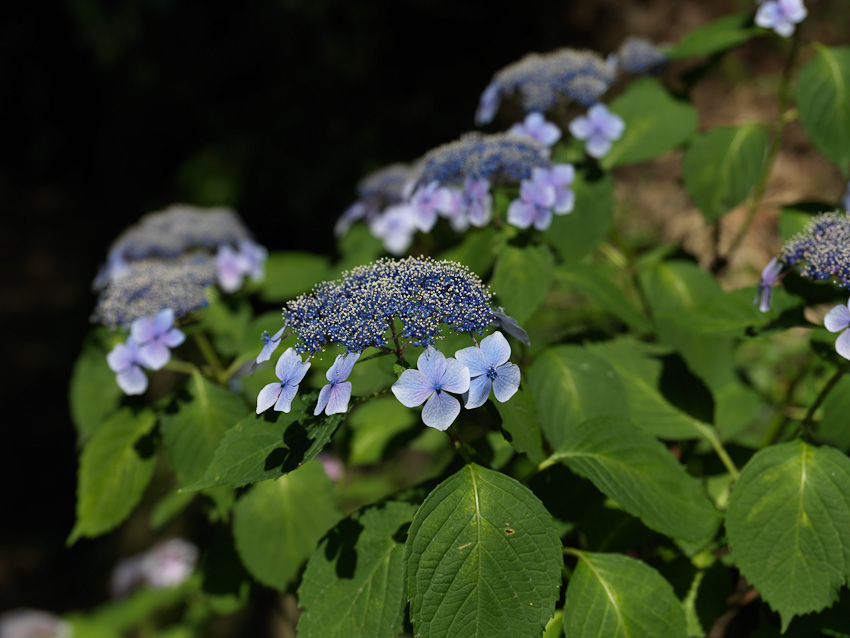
pixel 113 109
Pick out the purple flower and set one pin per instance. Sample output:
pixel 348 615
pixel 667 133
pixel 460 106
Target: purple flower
pixel 334 397
pixel 32 623
pixel 170 563
pixel 477 201
pixel 769 276
pixel 233 265
pixel 124 360
pixel 332 464
pixel 781 15
pixel 599 128
pixel 270 344
pixel 396 227
pixel 547 190
pixel 836 320
pixel 536 126
pixel 155 337
pixel 489 367
pixel 435 377
pixel 427 201
pixel 488 104
pixel 290 370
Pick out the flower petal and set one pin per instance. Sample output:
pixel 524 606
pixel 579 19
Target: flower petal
pixel 154 354
pixel 290 368
pixel 506 382
pixel 340 395
pixel 268 396
pixel 496 349
pixel 456 377
pixel 412 388
pixel 474 359
pixel 143 329
pixel 520 213
pixel 432 365
pixel 287 393
pixel 173 338
pixel 121 357
pixel 543 219
pixel 342 366
pixel 837 319
pixel 324 395
pixel 479 390
pixel 581 128
pixel 163 321
pixel 565 201
pixel 842 344
pixel 132 380
pixel 597 146
pixel 440 411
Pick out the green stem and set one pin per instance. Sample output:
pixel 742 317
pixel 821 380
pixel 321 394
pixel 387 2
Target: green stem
pixel 775 144
pixel 807 428
pixel 711 436
pixel 208 353
pixel 631 266
pixel 780 421
pixel 184 367
pixel 460 447
pixel 382 353
pixel 233 368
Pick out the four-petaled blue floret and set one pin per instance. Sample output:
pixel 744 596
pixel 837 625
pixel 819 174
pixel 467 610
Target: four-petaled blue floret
pixel 781 15
pixel 599 128
pixel 769 276
pixel 124 361
pixel 290 369
pixel 838 320
pixel 489 368
pixel 334 397
pixel 155 335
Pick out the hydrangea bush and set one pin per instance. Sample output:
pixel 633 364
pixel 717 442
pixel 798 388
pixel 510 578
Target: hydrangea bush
pixel 526 421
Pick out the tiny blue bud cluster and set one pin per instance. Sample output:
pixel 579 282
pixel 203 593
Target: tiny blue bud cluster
pixel 541 80
pixel 822 248
pixel 639 56
pixel 358 310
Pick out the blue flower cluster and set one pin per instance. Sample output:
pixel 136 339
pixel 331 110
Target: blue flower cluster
pixel 542 80
pixel 638 56
pixel 169 257
pixel 822 248
pixel 357 311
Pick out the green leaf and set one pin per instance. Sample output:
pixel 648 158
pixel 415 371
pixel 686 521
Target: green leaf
pixel 192 428
pixel 373 425
pixel 640 372
pixel 93 394
pixel 277 524
pixel 655 123
pixel 483 559
pixel 115 467
pixel 677 285
pixel 265 446
pixel 477 250
pixel 589 281
pixel 354 582
pixel 788 524
pixel 641 475
pixel 358 246
pixel 619 597
pixel 834 426
pixel 577 235
pixel 570 385
pixel 823 99
pixel 521 279
pixel 288 274
pixel 716 36
pixel 519 420
pixel 722 165
pixel 226 319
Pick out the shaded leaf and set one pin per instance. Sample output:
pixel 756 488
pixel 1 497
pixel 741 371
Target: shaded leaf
pixel 788 524
pixel 716 36
pixel 290 273
pixel 483 559
pixel 519 420
pixel 478 250
pixel 94 393
pixel 576 235
pixel 521 279
pixel 588 281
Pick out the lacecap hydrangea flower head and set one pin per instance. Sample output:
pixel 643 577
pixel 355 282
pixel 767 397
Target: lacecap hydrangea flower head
pixel 391 305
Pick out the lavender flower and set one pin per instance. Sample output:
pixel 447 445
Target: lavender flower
pixel 541 80
pixel 395 227
pixel 32 623
pixel 232 265
pixel 781 15
pixel 427 201
pixel 270 344
pixel 489 368
pixel 290 369
pixel 600 127
pixel 435 377
pixel 769 276
pixel 477 201
pixel 535 126
pixel 638 56
pixel 155 336
pixel 838 320
pixel 358 310
pixel 377 191
pixel 547 191
pixel 125 361
pixel 822 248
pixel 334 397
pixel 166 564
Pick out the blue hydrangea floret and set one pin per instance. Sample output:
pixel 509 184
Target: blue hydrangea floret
pixel 489 368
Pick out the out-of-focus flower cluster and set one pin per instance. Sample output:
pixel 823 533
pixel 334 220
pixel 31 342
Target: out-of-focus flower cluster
pixel 822 249
pixel 782 16
pixel 169 257
pixel 167 564
pixel 32 623
pixel 394 301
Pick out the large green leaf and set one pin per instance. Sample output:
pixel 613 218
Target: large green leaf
pixel 589 281
pixel 353 586
pixel 522 278
pixel 716 36
pixel 265 446
pixel 194 425
pixel 722 165
pixel 288 274
pixel 483 559
pixel 576 235
pixel 94 394
pixel 373 424
pixel 642 475
pixel 834 426
pixel 570 385
pixel 277 524
pixel 823 99
pixel 478 250
pixel 641 372
pixel 519 420
pixel 655 123
pixel 115 467
pixel 788 524
pixel 616 596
